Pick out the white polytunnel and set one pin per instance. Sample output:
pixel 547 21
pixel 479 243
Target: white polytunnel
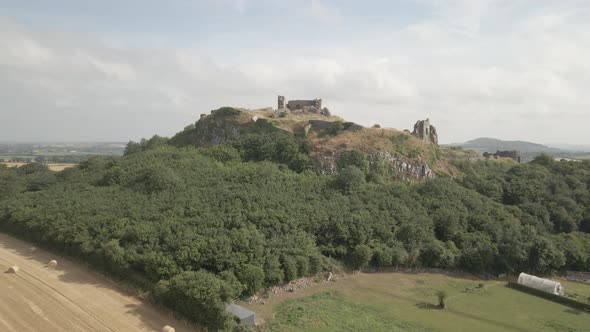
pixel 545 285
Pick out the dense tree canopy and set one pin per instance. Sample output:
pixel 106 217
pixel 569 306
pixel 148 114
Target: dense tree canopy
pixel 201 226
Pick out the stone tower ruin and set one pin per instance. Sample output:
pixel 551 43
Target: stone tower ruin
pixel 281 103
pixel 425 131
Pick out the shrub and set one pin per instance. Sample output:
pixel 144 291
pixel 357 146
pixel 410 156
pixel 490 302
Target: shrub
pixel 273 274
pixel 350 179
pixel 226 111
pixel 198 296
pixel 223 153
pixel 353 158
pixel 361 256
pixel 252 277
pixel 441 295
pixel 290 268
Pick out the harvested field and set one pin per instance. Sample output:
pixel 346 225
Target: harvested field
pixel 68 297
pixel 52 167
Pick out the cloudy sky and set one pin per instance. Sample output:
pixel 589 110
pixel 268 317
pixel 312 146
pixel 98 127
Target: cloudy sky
pixel 115 70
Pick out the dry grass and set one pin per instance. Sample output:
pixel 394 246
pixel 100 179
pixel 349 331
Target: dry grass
pixel 52 167
pixel 293 121
pixel 68 297
pixel 371 140
pixel 368 140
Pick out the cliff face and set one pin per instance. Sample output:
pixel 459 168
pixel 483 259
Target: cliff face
pixel 215 131
pixel 220 126
pixel 394 166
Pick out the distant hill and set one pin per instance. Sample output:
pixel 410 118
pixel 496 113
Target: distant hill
pixel 528 150
pixel 485 144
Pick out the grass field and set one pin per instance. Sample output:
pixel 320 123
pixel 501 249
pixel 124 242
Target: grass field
pixel 405 302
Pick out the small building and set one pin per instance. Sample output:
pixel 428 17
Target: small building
pixel 544 285
pixel 245 316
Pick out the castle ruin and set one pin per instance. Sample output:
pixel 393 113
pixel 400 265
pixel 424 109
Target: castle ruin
pixel 425 131
pixel 281 102
pixel 310 105
pixel 294 105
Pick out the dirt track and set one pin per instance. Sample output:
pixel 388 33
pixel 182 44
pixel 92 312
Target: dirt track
pixel 68 298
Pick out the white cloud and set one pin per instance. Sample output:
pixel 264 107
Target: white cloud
pixel 523 80
pixel 323 12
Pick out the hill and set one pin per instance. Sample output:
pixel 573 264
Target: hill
pixel 394 154
pixel 527 150
pixel 492 144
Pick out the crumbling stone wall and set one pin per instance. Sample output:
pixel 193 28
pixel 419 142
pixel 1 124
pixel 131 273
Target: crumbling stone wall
pixel 425 131
pixel 281 102
pixel 298 104
pixel 310 106
pixel 302 104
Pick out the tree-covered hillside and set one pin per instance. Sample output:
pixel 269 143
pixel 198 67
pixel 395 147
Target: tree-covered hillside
pixel 198 227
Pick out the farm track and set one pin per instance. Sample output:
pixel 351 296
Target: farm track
pixel 68 298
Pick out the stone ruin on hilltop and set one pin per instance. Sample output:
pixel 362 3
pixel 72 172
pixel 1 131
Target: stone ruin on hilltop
pixel 425 131
pixel 310 105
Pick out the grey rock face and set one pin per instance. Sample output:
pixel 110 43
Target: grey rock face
pixel 215 131
pixel 399 167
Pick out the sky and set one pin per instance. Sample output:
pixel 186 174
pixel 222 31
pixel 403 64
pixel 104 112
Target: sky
pixel 120 70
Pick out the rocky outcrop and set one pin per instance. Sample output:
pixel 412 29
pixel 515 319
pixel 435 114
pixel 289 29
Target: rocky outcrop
pixel 212 129
pixel 216 132
pixel 335 126
pixel 405 168
pixel 397 167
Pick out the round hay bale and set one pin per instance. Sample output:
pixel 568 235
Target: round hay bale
pixel 13 269
pixel 52 263
pixel 168 328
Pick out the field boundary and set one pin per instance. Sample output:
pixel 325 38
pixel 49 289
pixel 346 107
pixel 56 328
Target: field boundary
pixel 552 297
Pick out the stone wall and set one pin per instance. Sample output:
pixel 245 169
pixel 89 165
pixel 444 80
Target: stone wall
pixel 301 104
pixel 281 102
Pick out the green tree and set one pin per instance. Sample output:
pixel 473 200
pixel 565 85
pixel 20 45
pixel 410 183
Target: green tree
pixel 252 277
pixel 353 158
pixel 544 256
pixel 197 295
pixel 361 256
pixel 350 179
